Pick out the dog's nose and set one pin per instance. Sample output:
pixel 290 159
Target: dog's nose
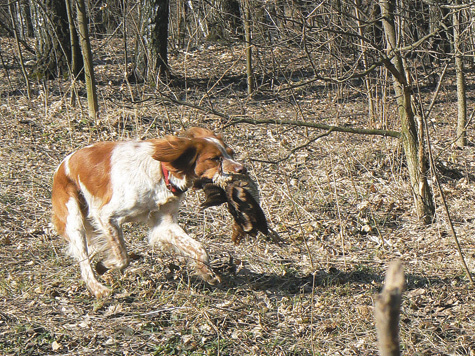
pixel 230 166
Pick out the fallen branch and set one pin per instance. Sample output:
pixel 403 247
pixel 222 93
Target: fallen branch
pixel 386 311
pixel 295 149
pixel 233 120
pixel 316 125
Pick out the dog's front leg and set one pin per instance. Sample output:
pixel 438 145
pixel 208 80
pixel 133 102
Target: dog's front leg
pixel 168 235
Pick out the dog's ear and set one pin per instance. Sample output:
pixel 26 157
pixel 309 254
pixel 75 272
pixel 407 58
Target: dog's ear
pixel 179 152
pixel 198 132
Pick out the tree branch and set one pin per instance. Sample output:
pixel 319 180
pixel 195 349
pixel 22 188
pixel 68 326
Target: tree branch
pixel 372 132
pixel 292 151
pixel 233 120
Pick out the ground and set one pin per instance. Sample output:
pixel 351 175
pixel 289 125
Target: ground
pixel 341 206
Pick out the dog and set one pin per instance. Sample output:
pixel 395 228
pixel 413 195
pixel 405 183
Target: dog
pixel 99 187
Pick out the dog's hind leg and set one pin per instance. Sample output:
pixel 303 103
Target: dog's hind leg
pixel 75 233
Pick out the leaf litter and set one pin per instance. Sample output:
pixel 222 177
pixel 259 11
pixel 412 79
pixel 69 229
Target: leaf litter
pixel 341 206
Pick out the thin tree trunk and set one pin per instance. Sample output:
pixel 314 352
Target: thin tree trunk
pixel 461 95
pixel 20 54
pixel 413 149
pixel 159 38
pixel 152 50
pixel 87 57
pixel 53 45
pixel 367 78
pixel 25 27
pixel 77 63
pixel 247 34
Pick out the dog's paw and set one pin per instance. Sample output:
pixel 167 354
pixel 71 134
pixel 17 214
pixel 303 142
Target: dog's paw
pixel 208 276
pixel 213 279
pixel 99 290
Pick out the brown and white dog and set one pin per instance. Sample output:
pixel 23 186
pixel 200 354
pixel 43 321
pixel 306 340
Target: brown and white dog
pixel 98 188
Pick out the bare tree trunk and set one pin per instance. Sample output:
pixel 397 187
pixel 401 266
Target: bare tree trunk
pixel 87 57
pixel 50 23
pixel 367 79
pixel 25 27
pixel 159 38
pixel 224 19
pixel 387 309
pixel 247 34
pixel 152 51
pixel 461 95
pixel 412 143
pixel 77 63
pixel 20 54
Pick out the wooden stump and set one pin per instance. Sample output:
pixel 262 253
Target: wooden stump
pixel 387 307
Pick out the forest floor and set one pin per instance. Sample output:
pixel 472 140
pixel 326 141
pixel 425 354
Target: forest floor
pixel 341 205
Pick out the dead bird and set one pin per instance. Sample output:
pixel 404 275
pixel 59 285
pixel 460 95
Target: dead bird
pixel 241 194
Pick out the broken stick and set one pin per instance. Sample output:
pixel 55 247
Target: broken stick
pixel 387 308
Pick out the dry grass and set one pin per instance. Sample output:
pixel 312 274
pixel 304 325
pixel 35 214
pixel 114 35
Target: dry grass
pixel 341 206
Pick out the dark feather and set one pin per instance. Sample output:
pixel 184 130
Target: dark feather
pixel 214 195
pixel 242 196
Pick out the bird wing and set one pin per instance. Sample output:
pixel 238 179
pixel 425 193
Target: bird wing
pixel 246 210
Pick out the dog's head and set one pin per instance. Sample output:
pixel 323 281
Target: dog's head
pixel 197 154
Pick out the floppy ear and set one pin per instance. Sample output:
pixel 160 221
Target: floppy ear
pixel 198 132
pixel 179 152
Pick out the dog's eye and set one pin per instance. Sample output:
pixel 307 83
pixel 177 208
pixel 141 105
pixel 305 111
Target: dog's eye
pixel 215 159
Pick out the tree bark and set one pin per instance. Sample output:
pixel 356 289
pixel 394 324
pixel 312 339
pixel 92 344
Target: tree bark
pixel 412 140
pixel 459 72
pixel 53 45
pixel 247 33
pixel 224 20
pixel 77 62
pixel 87 57
pixel 20 54
pixel 25 27
pixel 152 53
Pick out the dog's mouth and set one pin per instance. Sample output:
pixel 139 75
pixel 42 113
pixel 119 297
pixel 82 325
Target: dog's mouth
pixel 220 179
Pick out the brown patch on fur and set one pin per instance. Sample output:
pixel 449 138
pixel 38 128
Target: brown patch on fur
pixel 177 154
pixel 91 166
pixel 210 159
pixel 63 190
pixel 191 156
pixel 199 132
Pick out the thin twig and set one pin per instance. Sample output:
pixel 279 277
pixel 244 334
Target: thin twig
pixel 306 144
pixel 335 192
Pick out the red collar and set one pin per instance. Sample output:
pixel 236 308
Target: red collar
pixel 171 187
